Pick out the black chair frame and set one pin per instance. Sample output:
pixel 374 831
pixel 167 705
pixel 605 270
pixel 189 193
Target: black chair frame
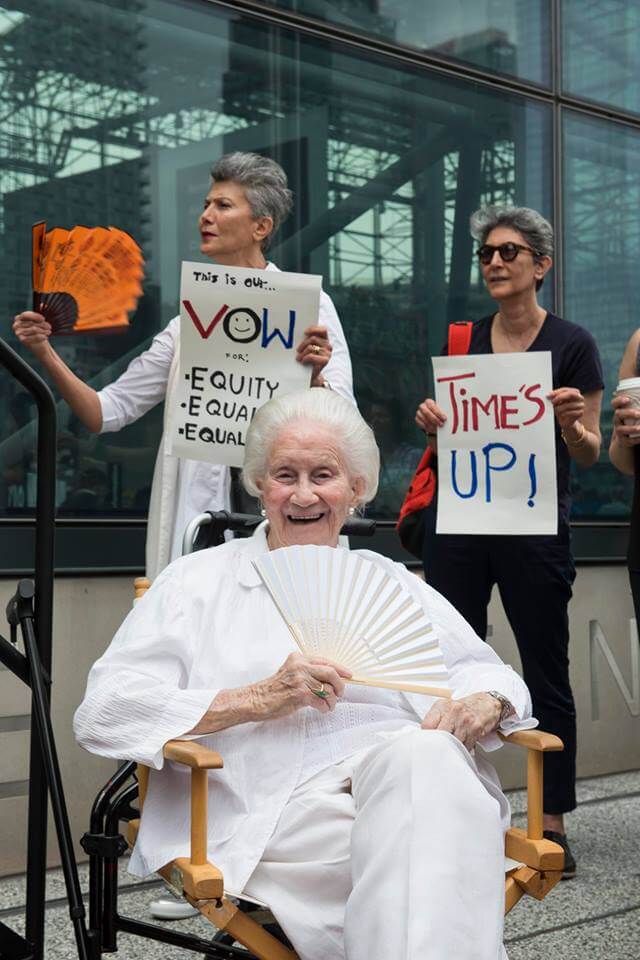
pixel 30 611
pixel 104 844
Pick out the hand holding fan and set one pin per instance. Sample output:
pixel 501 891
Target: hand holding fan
pixel 347 608
pixel 85 280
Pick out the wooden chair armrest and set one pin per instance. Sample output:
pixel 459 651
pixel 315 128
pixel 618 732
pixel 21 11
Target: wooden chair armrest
pixel 192 754
pixel 200 760
pixel 533 740
pixel 193 875
pixel 537 743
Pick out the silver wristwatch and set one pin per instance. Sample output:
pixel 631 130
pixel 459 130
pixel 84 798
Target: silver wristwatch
pixel 507 707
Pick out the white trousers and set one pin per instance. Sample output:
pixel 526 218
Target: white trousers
pixel 397 853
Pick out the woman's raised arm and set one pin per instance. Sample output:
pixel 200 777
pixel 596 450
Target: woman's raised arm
pixel 33 331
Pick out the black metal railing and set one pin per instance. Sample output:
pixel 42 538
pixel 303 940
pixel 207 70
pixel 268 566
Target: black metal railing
pixel 30 611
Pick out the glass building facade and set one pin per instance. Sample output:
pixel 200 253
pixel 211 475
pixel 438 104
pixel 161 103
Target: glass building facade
pixel 394 120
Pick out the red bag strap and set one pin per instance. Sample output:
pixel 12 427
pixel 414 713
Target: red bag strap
pixel 460 337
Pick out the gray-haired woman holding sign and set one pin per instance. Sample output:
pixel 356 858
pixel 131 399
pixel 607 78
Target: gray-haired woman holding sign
pixel 246 204
pixel 533 573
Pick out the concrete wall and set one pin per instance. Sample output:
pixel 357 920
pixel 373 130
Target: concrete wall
pixel 604 644
pixel 88 611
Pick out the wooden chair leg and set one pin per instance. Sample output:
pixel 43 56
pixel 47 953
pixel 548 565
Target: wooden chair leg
pixel 535 883
pixel 199 811
pixel 513 893
pixel 534 794
pixel 226 916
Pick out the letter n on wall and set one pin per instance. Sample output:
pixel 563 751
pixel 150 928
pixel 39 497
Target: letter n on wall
pixel 597 640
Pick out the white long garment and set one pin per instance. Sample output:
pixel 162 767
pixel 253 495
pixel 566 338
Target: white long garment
pixel 184 488
pixel 377 858
pixel 206 624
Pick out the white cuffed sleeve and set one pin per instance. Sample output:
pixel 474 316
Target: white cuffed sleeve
pixel 338 372
pixel 142 385
pixel 137 693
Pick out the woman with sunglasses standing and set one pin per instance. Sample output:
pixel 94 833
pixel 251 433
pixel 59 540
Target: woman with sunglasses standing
pixel 534 574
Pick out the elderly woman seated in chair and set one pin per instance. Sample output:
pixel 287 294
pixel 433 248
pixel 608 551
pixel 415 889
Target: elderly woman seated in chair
pixel 363 816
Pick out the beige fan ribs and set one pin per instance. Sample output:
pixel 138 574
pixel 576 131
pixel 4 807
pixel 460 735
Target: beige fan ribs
pixel 340 605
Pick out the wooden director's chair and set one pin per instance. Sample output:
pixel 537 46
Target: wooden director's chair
pixel 202 884
pixel 246 928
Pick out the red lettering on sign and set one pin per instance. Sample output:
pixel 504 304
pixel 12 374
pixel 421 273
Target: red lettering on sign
pixel 205 332
pixel 537 400
pixel 507 411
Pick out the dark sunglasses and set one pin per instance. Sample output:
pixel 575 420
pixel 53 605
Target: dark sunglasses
pixel 507 251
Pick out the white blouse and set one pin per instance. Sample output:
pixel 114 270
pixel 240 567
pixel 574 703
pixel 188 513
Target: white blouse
pixel 207 624
pixel 200 486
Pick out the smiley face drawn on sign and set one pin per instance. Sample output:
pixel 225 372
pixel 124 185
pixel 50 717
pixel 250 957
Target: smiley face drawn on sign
pixel 242 325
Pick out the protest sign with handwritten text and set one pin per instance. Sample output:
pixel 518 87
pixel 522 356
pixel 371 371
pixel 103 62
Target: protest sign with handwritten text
pixel 496 451
pixel 239 329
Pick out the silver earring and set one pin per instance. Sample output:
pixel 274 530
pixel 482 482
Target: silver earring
pixel 263 512
pixel 352 510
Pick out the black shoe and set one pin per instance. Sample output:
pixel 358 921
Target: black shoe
pixel 569 869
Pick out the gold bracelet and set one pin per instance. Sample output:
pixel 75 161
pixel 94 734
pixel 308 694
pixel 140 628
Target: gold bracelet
pixel 579 441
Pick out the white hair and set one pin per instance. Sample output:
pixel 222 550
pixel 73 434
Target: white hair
pixel 355 438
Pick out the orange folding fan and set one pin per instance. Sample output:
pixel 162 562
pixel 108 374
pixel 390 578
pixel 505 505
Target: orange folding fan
pixel 87 279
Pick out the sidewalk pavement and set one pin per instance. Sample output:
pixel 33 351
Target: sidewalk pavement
pixel 595 916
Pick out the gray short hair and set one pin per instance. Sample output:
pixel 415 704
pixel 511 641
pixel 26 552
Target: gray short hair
pixel 355 437
pixel 265 186
pixel 537 231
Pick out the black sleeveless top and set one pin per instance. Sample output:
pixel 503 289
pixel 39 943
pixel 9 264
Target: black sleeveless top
pixel 633 553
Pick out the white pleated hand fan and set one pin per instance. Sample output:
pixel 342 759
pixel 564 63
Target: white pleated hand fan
pixel 347 608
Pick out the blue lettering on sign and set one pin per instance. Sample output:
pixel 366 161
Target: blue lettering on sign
pixel 498 457
pixel 276 332
pixel 532 477
pixel 474 474
pixel 498 467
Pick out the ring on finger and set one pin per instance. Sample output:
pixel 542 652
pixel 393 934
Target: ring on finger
pixel 316 348
pixel 322 693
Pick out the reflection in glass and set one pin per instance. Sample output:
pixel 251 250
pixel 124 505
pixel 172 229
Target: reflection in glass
pixel 502 36
pixel 400 449
pixel 601 51
pixel 386 166
pixel 602 281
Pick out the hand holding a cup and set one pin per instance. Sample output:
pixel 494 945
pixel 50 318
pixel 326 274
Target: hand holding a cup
pixel 626 412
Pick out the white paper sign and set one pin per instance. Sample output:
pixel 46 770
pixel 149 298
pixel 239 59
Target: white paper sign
pixel 239 329
pixel 496 451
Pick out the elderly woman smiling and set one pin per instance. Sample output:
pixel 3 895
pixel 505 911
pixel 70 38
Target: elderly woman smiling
pixel 364 817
